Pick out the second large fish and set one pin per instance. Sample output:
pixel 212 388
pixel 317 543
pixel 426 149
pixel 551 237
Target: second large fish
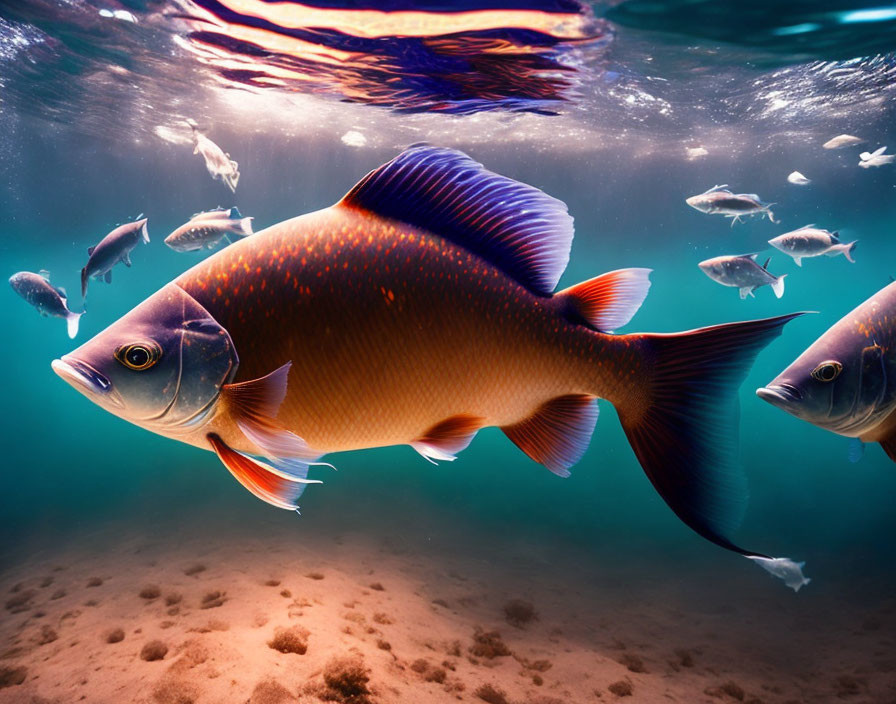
pixel 417 311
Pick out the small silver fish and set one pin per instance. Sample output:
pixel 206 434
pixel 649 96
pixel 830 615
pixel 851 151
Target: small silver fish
pixel 718 200
pixel 810 241
pixel 797 179
pixel 49 300
pixel 207 229
pixel 743 273
pixel 219 164
pixel 843 140
pixel 790 572
pixel 876 158
pixel 113 248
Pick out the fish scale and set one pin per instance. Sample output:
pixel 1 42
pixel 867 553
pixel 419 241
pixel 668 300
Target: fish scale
pixel 364 282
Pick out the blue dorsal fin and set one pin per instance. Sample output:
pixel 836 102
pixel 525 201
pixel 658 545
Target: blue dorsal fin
pixel 235 213
pixel 514 226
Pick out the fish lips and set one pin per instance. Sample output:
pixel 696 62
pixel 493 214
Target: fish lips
pixel 785 396
pixel 87 380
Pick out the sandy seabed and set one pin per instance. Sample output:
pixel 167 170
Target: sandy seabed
pixel 276 616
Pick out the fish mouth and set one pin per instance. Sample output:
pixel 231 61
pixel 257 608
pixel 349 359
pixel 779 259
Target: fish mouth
pixel 86 379
pixel 780 394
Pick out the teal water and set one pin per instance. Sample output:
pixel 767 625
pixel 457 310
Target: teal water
pixel 69 463
pixel 92 134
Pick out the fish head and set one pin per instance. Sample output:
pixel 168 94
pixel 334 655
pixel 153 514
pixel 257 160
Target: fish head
pixel 21 282
pixel 784 243
pixel 713 268
pixel 180 241
pixel 161 366
pixel 699 202
pixel 840 383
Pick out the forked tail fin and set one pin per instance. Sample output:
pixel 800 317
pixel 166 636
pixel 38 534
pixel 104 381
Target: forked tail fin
pixel 683 427
pixel 848 249
pixel 71 322
pixel 778 286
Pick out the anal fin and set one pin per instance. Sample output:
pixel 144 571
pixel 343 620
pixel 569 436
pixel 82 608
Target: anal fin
pixel 558 433
pixel 273 486
pixel 448 437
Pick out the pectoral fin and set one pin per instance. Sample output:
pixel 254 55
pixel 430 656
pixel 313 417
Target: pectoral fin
pixel 108 277
pixel 126 259
pixel 271 485
pixel 856 450
pixel 254 405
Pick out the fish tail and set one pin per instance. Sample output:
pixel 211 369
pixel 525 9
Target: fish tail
pixel 682 424
pixel 778 286
pixel 848 249
pixel 72 320
pixel 85 278
pixel 243 227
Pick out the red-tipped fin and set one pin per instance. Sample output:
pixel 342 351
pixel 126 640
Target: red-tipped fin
pixel 609 301
pixel 558 433
pixel 254 405
pixel 445 439
pixel 267 483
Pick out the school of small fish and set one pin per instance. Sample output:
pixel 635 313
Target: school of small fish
pixel 204 230
pixel 741 271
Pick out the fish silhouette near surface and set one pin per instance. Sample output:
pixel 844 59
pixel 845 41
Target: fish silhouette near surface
pixel 845 381
pixel 797 179
pixel 218 163
pixel 841 141
pixel 718 200
pixel 742 272
pixel 416 311
pixel 113 248
pixel 49 300
pixel 876 158
pixel 811 241
pixel 207 229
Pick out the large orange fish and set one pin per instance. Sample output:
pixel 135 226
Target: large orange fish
pixel 418 310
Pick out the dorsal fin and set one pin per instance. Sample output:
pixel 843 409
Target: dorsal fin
pixel 765 266
pixel 90 250
pixel 516 227
pixel 608 301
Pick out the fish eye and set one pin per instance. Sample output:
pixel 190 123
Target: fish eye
pixel 827 371
pixel 139 355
